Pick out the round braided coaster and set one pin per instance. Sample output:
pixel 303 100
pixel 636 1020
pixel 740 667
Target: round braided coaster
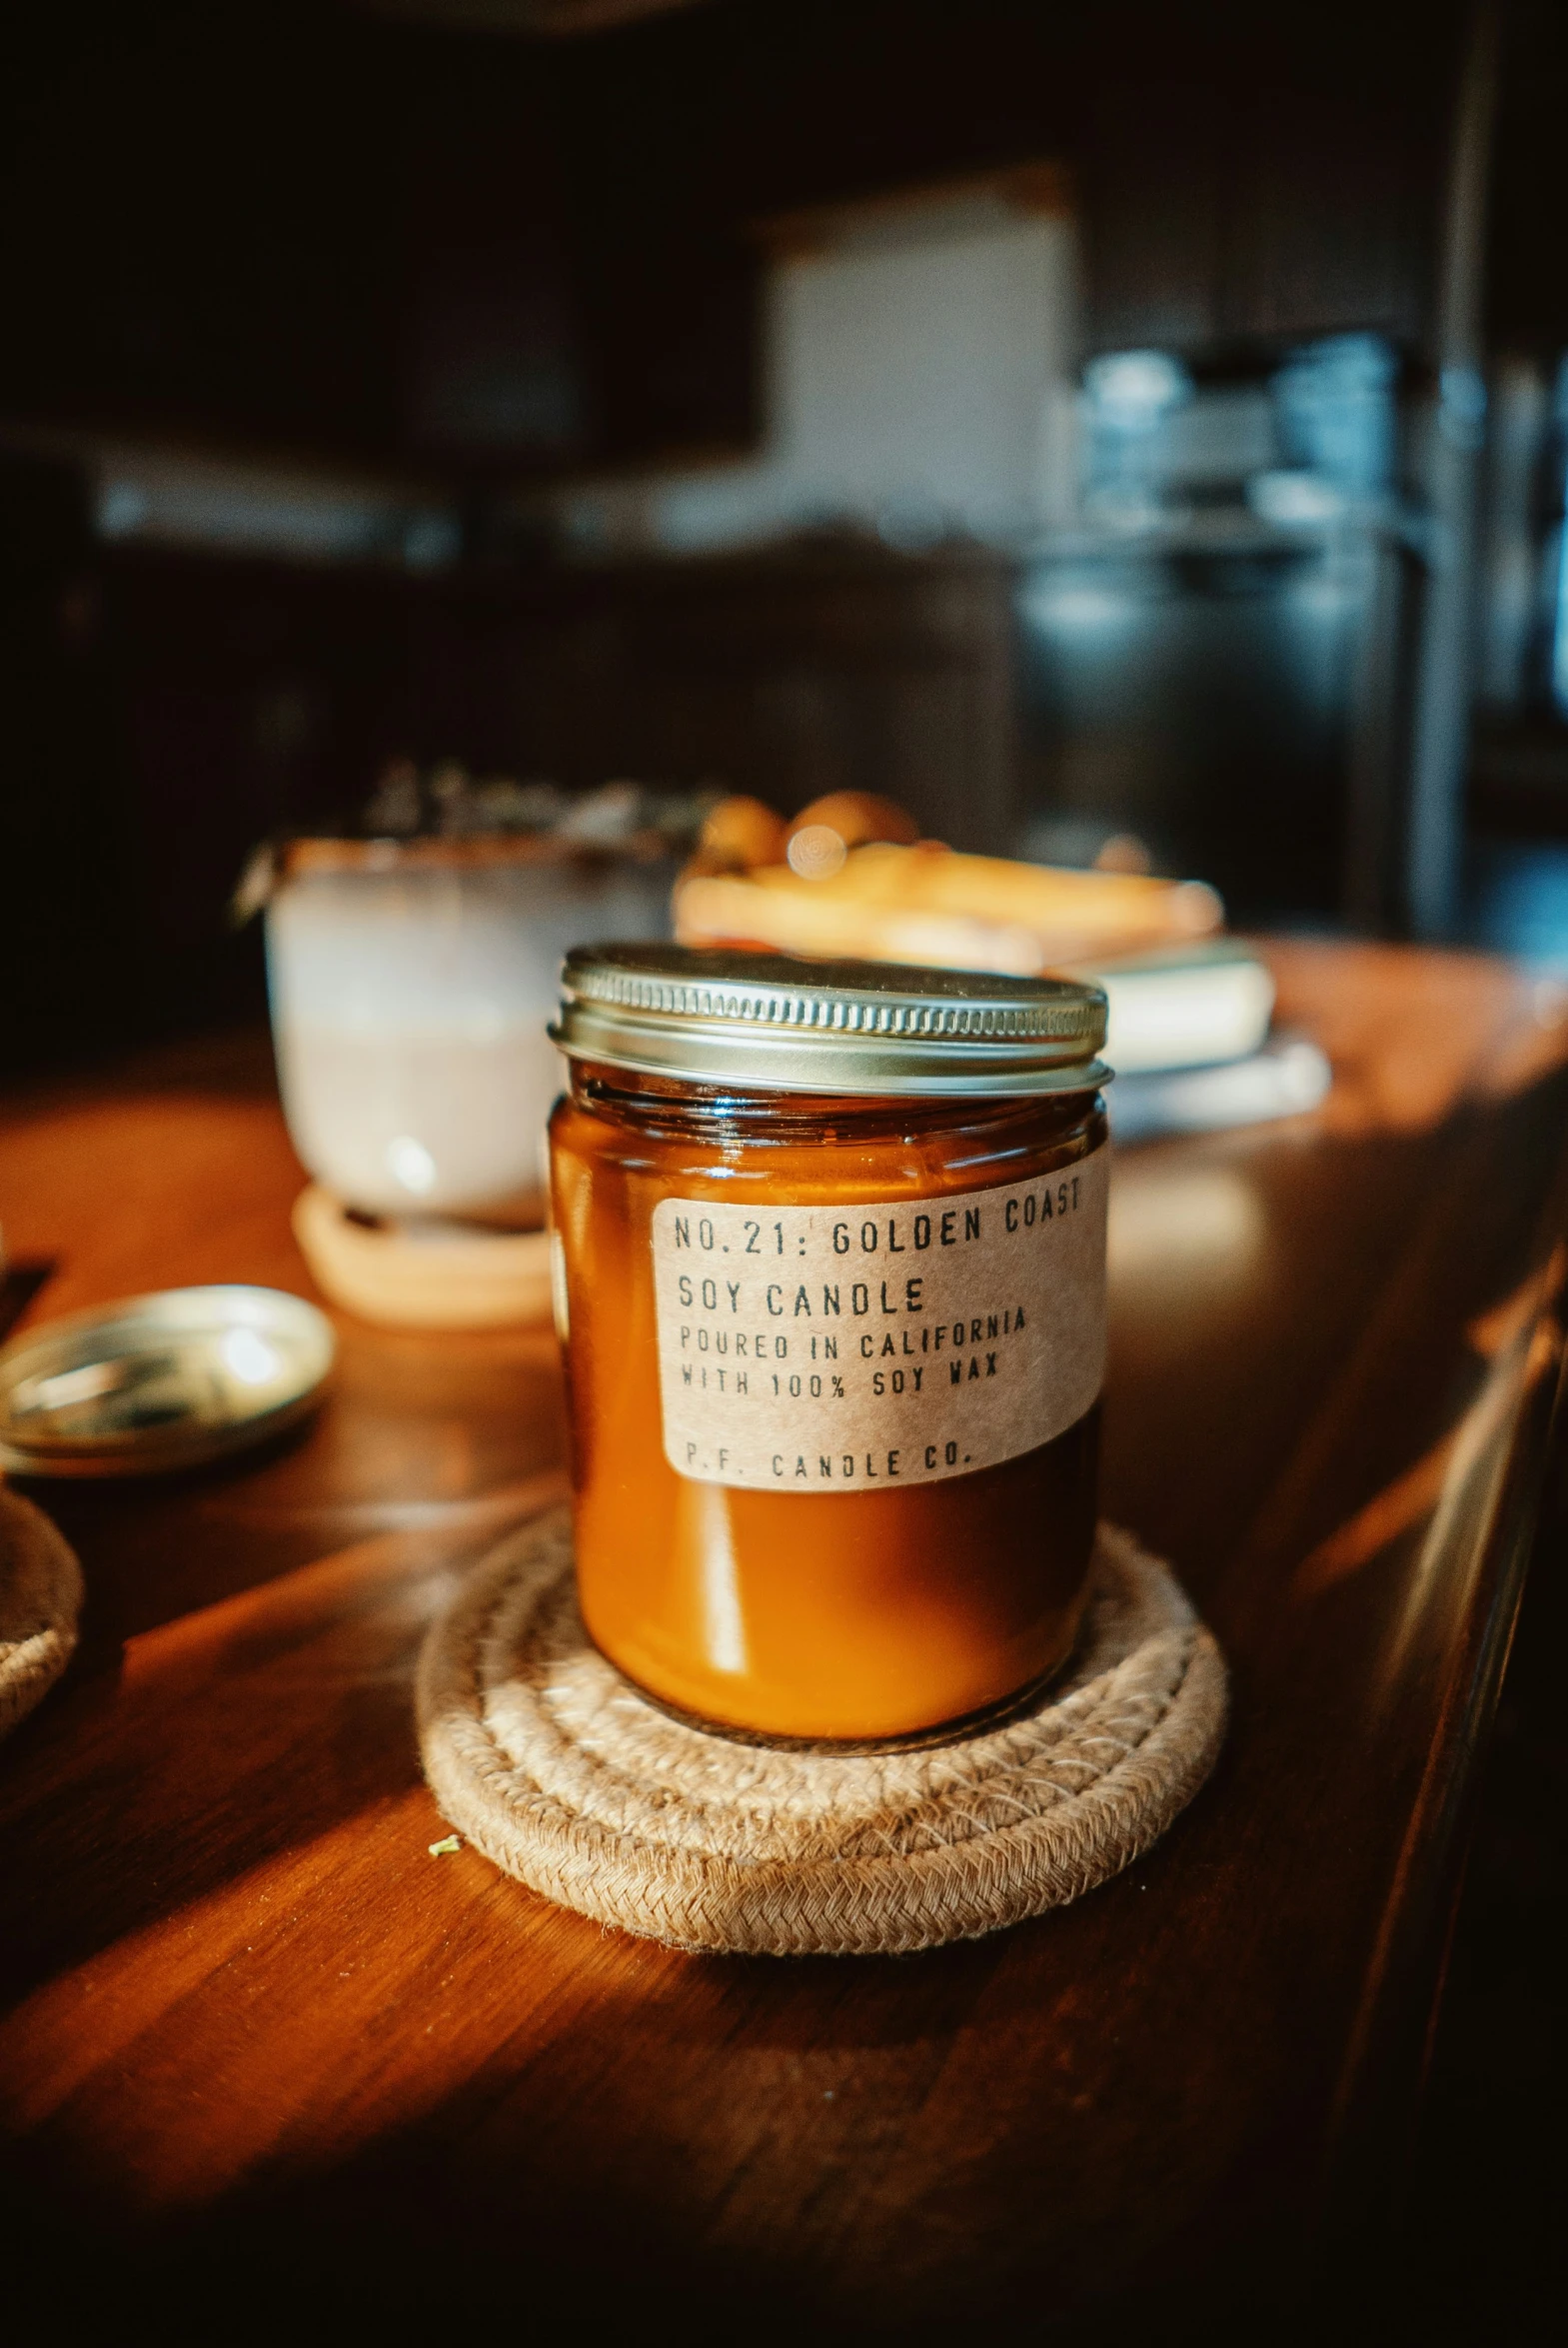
pixel 555 1767
pixel 40 1597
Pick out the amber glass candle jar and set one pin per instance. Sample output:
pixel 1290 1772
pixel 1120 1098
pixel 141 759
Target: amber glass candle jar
pixel 831 1247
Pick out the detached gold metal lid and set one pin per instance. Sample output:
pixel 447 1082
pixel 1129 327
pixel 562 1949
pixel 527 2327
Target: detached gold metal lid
pixel 770 1022
pixel 160 1381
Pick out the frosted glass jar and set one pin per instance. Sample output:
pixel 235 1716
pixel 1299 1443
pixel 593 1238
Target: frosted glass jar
pixel 410 983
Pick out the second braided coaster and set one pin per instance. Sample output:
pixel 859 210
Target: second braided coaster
pixel 40 1597
pixel 555 1768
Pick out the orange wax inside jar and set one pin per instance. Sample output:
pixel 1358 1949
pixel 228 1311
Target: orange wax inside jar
pixel 824 1305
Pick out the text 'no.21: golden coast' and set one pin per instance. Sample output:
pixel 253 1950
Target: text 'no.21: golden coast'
pixel 824 1346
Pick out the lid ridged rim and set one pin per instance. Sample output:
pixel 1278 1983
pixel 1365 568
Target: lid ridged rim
pixel 721 1018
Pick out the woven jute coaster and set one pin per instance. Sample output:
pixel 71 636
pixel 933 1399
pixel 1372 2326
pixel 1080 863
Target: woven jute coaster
pixel 549 1762
pixel 40 1599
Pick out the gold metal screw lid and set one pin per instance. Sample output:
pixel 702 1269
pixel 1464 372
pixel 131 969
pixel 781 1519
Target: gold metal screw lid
pixel 770 1022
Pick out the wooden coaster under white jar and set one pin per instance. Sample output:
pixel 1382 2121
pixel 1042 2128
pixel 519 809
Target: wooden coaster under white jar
pixel 431 1273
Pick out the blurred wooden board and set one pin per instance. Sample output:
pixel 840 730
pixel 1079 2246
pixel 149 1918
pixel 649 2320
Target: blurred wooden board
pixel 251 2022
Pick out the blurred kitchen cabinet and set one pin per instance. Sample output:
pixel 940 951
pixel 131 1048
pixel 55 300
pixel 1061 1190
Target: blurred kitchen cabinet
pixel 67 961
pixel 786 674
pixel 1213 218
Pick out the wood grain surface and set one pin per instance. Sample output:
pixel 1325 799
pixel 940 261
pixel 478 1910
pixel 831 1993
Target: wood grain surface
pixel 254 2030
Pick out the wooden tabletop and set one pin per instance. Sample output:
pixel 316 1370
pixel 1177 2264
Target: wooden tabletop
pixel 253 2027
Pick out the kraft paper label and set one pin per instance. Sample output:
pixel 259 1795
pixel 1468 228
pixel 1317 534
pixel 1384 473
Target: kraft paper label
pixel 824 1348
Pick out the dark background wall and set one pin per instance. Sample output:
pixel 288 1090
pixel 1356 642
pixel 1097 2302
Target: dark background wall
pixel 304 226
pixel 471 261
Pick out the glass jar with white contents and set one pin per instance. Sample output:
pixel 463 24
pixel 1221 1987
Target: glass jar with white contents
pixel 412 982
